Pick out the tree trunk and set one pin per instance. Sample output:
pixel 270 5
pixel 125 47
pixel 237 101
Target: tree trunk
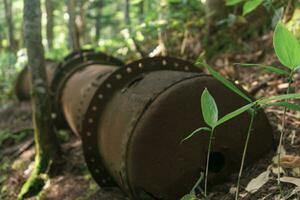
pixel 9 22
pixel 99 6
pixel 50 22
pixel 127 12
pixel 46 144
pixel 141 12
pixel 1 46
pixel 137 47
pixel 81 23
pixel 73 29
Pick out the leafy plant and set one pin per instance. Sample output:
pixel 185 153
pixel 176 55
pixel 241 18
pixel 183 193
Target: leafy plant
pixel 287 50
pixel 248 6
pixel 211 118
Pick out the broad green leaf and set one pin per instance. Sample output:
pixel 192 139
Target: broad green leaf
pixel 266 67
pixel 226 82
pixel 251 5
pixel 232 2
pixel 267 100
pixel 287 47
pixel 195 132
pixel 209 108
pixel 288 105
pixel 189 197
pixel 235 113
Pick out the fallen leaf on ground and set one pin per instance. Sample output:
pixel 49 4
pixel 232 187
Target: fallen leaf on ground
pixel 258 182
pixel 290 161
pixel 295 181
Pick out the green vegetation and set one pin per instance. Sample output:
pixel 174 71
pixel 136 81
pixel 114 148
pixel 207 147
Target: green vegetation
pixel 287 49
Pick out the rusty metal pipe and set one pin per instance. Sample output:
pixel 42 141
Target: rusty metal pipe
pixel 132 119
pixel 23 82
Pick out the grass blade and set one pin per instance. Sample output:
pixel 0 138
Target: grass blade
pixel 266 67
pixel 226 82
pixel 235 113
pixel 195 132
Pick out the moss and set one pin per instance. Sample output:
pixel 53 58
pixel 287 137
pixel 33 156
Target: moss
pixel 38 178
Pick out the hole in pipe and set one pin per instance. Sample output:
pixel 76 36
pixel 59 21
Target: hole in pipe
pixel 216 162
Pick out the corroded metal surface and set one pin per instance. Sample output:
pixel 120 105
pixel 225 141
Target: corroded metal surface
pixel 138 116
pixel 77 64
pixel 23 82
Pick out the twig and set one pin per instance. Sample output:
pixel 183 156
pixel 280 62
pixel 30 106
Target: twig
pixel 244 155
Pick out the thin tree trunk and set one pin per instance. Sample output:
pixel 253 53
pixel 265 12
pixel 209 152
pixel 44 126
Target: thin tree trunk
pixel 50 22
pixel 141 12
pixel 128 24
pixel 80 22
pixel 1 46
pixel 45 140
pixel 99 6
pixel 73 29
pixel 9 22
pixel 127 12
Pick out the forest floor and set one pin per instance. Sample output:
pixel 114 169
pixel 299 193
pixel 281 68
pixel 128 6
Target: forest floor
pixel 73 182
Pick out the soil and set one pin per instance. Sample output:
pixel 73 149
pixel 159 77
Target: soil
pixel 73 180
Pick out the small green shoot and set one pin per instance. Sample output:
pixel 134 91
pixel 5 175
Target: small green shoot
pixel 265 67
pixel 251 5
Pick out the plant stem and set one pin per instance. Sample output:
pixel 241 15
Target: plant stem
pixel 244 154
pixel 283 123
pixel 207 161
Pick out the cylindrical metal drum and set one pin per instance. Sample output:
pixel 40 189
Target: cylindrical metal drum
pixel 138 116
pixel 23 81
pixel 75 82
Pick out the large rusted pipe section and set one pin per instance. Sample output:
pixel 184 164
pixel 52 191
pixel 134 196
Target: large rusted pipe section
pixel 131 120
pixel 23 82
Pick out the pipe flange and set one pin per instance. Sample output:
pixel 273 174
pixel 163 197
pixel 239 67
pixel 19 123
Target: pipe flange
pixel 116 81
pixel 75 61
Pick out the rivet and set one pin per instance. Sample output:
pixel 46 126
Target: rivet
pixel 164 62
pixel 129 70
pixel 100 96
pixel 97 171
pixel 92 160
pixel 91 120
pixel 140 65
pixel 119 76
pixel 94 108
pixel 53 115
pixel 186 68
pixel 88 134
pixel 108 85
pixel 103 181
pixel 90 148
pixel 176 65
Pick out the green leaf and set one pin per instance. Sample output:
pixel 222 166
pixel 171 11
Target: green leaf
pixel 266 67
pixel 189 197
pixel 288 105
pixel 195 132
pixel 209 108
pixel 235 113
pixel 232 2
pixel 286 47
pixel 226 82
pixel 251 5
pixel 267 100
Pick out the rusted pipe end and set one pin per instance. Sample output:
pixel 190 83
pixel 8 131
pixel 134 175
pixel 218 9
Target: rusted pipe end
pixel 22 86
pixel 77 73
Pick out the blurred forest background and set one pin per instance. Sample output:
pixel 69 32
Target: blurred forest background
pixel 131 29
